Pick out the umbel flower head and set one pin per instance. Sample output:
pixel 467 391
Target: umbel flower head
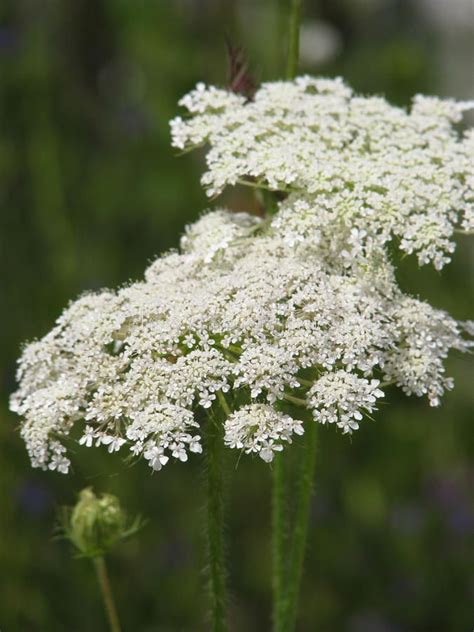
pixel 267 318
pixel 355 169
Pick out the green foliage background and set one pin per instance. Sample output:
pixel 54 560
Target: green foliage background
pixel 90 192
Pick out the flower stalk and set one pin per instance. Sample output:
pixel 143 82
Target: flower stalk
pixel 94 526
pixel 107 596
pixel 293 38
pixel 215 525
pixel 279 542
pixel 300 528
pixel 288 567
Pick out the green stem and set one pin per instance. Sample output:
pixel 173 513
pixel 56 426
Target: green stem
pixel 111 610
pixel 215 524
pixel 295 400
pixel 282 592
pixel 460 231
pixel 300 527
pixel 265 187
pixel 223 402
pixel 305 382
pixel 280 532
pixel 293 38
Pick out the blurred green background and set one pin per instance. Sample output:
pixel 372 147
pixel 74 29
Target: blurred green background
pixel 90 192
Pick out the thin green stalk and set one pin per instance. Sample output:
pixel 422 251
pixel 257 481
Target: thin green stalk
pixel 295 400
pixel 223 402
pixel 293 38
pixel 279 544
pixel 305 382
pixel 107 596
pixel 215 525
pixel 281 588
pixel 300 528
pixel 263 186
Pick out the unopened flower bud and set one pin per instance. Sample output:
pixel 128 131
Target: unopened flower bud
pixel 96 523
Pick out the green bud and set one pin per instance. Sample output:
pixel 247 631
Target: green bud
pixel 97 523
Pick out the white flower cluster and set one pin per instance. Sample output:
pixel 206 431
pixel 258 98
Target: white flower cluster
pixel 216 232
pixel 339 397
pixel 348 162
pixel 298 310
pixel 259 428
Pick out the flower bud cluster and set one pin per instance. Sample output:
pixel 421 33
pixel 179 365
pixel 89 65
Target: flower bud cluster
pixel 97 523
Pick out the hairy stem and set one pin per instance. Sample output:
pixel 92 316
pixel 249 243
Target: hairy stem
pixel 215 525
pixel 283 593
pixel 300 527
pixel 293 38
pixel 279 543
pixel 109 603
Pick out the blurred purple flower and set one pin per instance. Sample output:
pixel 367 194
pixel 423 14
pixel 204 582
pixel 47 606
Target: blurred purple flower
pixel 405 587
pixel 372 621
pixel 407 519
pixel 177 553
pixel 9 40
pixel 134 121
pixel 450 495
pixel 34 499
